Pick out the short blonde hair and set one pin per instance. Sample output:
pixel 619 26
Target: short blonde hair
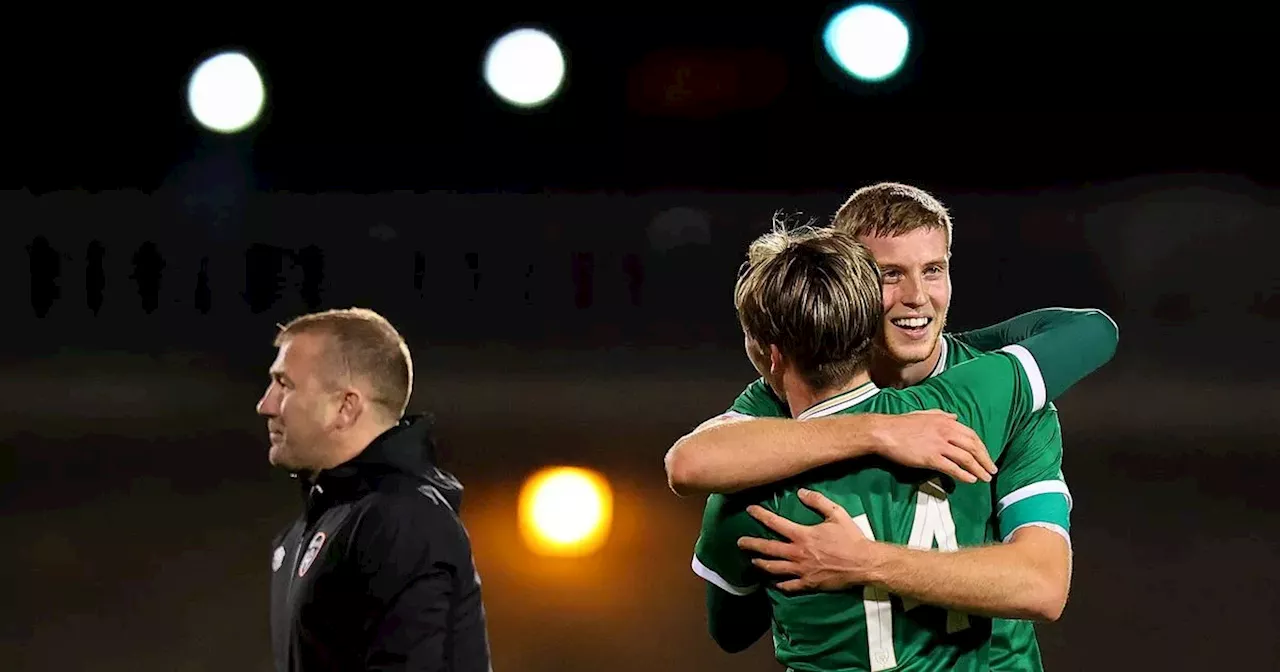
pixel 363 345
pixel 814 293
pixel 891 209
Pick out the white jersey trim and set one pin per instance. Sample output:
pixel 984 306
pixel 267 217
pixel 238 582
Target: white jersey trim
pixel 1038 488
pixel 942 357
pixel 1028 362
pixel 840 402
pixel 710 576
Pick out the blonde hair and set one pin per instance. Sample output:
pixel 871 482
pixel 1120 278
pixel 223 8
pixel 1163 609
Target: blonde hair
pixel 891 209
pixel 363 345
pixel 814 293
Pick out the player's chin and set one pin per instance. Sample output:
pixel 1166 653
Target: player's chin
pixel 910 351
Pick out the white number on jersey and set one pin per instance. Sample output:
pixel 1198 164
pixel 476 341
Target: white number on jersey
pixel 933 524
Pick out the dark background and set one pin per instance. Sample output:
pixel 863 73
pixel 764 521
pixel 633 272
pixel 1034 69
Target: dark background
pixel 564 279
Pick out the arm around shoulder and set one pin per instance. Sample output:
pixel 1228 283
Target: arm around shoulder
pixel 732 454
pixel 694 458
pixel 728 456
pixel 1024 326
pixel 1026 578
pixel 1060 357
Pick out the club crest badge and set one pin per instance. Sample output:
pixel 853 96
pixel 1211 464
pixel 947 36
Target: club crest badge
pixel 313 549
pixel 277 559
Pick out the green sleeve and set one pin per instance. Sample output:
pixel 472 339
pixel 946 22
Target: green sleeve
pixel 1054 359
pixel 738 612
pixel 1019 328
pixel 1030 488
pixel 759 401
pixel 993 395
pixel 716 556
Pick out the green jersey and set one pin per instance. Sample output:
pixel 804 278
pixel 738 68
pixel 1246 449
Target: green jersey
pixel 1003 397
pixel 1032 459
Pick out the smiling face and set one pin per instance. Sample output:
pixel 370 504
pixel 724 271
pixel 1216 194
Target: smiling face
pixel 916 283
pixel 908 231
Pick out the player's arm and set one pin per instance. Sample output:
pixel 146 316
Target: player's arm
pixel 1002 389
pixel 1077 344
pixel 1029 575
pixel 1026 577
pixel 1024 326
pixel 738 611
pixel 724 455
pixel 740 450
pixel 1023 578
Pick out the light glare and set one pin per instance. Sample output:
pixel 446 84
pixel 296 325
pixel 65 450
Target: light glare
pixel 565 511
pixel 225 93
pixel 868 41
pixel 525 67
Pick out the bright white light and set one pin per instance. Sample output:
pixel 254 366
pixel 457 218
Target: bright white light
pixel 868 41
pixel 524 67
pixel 225 93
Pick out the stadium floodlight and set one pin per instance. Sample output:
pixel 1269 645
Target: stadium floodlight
pixel 225 93
pixel 525 67
pixel 867 41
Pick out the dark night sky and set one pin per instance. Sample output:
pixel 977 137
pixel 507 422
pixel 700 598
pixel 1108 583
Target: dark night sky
pixel 992 97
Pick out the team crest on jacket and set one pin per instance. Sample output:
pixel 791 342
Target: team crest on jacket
pixel 313 549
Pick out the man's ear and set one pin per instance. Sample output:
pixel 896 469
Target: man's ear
pixel 776 360
pixel 351 408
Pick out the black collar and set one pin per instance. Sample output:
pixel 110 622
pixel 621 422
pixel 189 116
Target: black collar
pixel 407 448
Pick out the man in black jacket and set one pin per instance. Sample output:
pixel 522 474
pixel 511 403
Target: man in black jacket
pixel 377 573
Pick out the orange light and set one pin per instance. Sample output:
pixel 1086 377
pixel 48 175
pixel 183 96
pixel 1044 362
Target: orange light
pixel 565 511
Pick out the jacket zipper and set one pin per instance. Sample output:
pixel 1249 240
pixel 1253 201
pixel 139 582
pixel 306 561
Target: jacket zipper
pixel 293 572
pixel 302 538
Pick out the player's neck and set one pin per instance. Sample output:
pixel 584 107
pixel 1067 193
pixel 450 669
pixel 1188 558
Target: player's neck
pixel 889 373
pixel 800 396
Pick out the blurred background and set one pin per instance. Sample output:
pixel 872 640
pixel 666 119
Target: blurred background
pixel 567 245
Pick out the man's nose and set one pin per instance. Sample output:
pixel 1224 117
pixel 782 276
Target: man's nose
pixel 266 405
pixel 913 293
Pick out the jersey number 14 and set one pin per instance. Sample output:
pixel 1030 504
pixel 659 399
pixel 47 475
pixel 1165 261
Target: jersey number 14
pixel 933 524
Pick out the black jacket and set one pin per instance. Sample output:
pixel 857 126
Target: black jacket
pixel 377 573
